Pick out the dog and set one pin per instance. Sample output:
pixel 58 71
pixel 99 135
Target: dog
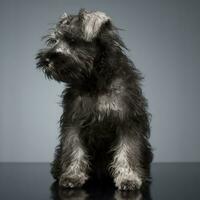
pixel 105 125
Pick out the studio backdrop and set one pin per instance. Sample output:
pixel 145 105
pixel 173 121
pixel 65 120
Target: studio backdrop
pixel 163 41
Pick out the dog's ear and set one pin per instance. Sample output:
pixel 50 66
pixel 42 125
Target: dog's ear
pixel 92 23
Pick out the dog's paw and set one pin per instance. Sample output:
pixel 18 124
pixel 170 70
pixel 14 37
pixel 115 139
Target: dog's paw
pixel 72 181
pixel 128 183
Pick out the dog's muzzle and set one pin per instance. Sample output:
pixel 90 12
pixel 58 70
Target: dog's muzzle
pixel 61 48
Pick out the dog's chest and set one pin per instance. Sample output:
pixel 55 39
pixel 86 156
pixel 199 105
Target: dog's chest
pixel 112 100
pixel 109 103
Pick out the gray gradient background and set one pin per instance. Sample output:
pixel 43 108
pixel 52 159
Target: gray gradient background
pixel 164 39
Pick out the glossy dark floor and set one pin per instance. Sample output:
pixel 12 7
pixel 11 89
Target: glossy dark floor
pixel 34 182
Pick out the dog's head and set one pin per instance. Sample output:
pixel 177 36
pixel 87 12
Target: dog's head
pixel 74 45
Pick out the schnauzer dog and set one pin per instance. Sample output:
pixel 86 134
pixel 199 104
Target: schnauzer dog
pixel 105 125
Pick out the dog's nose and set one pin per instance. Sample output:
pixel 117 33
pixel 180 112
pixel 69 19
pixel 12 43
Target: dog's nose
pixel 53 58
pixel 52 55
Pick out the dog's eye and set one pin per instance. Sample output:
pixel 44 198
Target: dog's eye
pixel 72 41
pixel 51 41
pixel 67 22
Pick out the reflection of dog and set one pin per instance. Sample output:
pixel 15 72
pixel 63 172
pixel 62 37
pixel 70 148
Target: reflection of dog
pixel 95 191
pixel 105 123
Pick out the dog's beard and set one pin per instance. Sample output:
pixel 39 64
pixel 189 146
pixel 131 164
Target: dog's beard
pixel 56 65
pixel 59 66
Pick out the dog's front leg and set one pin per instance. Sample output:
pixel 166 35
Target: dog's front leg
pixel 74 161
pixel 131 159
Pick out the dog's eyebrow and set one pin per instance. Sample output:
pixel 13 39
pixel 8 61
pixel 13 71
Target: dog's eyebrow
pixel 65 20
